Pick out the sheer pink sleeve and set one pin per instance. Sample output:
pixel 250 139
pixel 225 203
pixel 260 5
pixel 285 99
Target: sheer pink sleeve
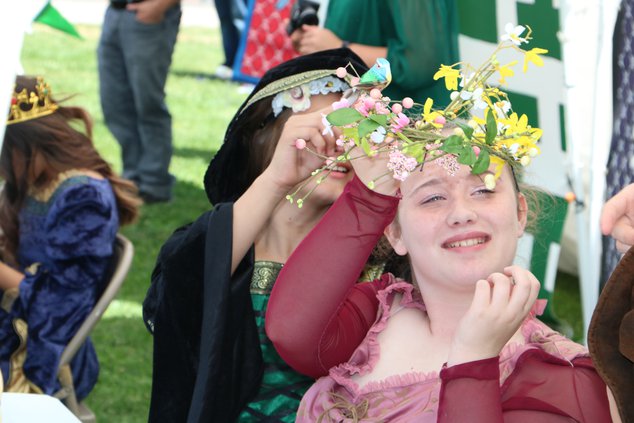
pixel 317 315
pixel 542 388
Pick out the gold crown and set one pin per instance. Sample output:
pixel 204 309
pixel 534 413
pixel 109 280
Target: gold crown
pixel 27 105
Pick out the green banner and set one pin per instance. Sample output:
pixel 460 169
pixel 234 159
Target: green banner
pixel 51 17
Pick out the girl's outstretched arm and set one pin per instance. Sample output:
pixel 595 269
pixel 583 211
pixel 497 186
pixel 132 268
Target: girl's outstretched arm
pixel 317 314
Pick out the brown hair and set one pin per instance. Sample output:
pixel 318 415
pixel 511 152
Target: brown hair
pixel 63 147
pixel 261 134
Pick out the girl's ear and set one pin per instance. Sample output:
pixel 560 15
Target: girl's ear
pixel 393 235
pixel 522 213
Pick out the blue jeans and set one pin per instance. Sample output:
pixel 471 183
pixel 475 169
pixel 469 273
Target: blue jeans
pixel 134 59
pixel 231 14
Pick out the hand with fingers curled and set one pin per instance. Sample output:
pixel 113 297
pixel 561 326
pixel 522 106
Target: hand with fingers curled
pixel 302 148
pixel 372 171
pixel 150 12
pixel 313 38
pixel 617 218
pixel 500 305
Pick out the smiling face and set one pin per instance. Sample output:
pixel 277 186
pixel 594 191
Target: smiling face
pixel 454 229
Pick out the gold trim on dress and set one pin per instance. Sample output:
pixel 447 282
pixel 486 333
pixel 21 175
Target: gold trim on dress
pixel 44 194
pixel 32 268
pixel 8 298
pixel 371 272
pixel 264 276
pixel 17 381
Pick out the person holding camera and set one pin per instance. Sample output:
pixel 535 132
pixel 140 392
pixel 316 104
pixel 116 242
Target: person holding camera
pixel 414 36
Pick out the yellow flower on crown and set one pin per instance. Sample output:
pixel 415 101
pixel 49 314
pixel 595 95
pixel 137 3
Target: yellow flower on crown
pixel 499 166
pixel 450 74
pixel 486 133
pixel 520 138
pixel 505 71
pixel 431 117
pixel 516 125
pixel 533 56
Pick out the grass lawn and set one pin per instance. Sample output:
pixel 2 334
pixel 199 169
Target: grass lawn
pixel 201 108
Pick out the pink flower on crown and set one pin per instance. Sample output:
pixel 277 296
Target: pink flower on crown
pixel 401 164
pixel 399 122
pixel 449 163
pixel 381 109
pixel 361 107
pixel 341 104
pixel 369 103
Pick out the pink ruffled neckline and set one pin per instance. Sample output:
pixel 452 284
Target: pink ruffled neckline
pixel 536 336
pixel 341 374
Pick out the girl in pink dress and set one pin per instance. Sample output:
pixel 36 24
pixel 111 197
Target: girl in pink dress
pixel 461 343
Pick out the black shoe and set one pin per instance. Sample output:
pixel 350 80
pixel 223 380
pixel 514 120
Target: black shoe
pixel 153 199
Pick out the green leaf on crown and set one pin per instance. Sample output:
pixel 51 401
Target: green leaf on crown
pixel 367 126
pixel 482 162
pixel 467 156
pixel 417 151
pixel 365 145
pixel 492 128
pixel 380 119
pixel 453 145
pixel 468 131
pixel 343 117
pixel 351 133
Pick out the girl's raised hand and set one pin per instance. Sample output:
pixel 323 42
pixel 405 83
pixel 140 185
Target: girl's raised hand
pixel 290 165
pixel 500 305
pixel 374 170
pixel 617 218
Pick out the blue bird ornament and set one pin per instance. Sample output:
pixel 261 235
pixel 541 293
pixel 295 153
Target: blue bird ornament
pixel 379 76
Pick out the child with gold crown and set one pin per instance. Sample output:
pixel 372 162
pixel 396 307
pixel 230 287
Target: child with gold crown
pixel 60 209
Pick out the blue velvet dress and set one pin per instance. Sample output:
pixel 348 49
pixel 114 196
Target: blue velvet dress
pixel 71 237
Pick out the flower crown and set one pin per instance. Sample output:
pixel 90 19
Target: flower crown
pixel 298 98
pixel 27 105
pixel 478 127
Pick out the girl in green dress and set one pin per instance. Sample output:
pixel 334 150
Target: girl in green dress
pixel 206 307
